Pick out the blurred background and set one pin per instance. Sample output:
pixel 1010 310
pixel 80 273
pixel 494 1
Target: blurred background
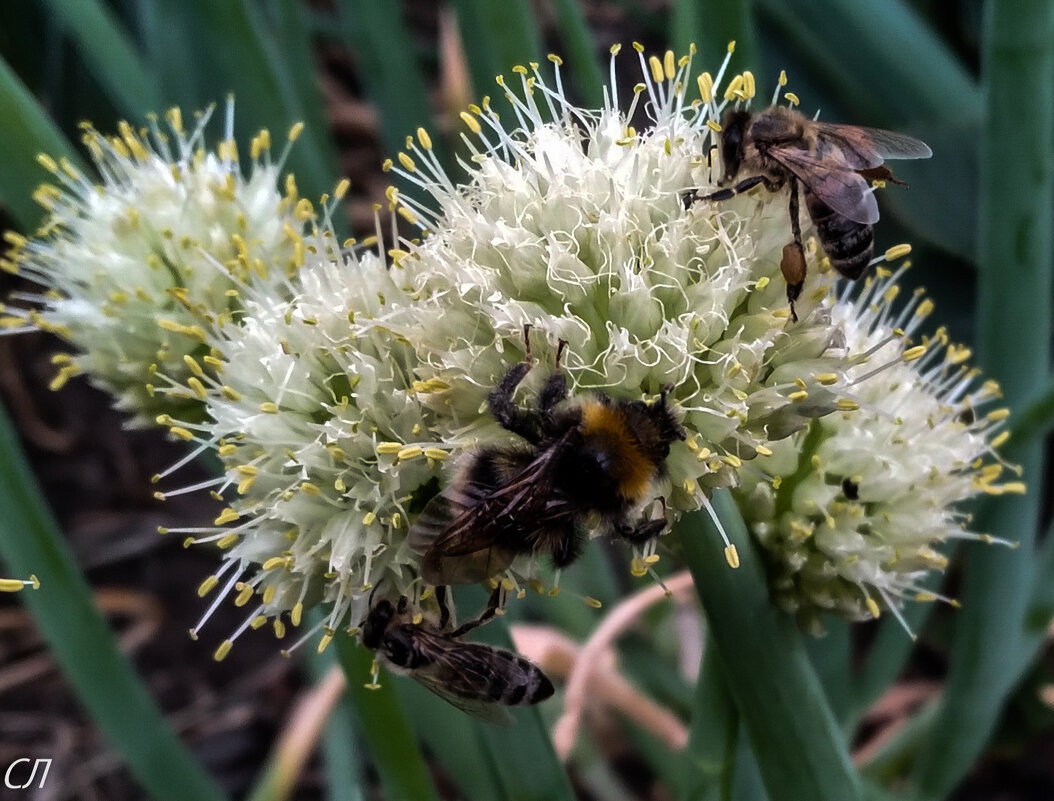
pixel 362 75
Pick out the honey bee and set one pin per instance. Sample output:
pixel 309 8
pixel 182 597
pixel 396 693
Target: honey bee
pixel 476 678
pixel 593 461
pixel 832 162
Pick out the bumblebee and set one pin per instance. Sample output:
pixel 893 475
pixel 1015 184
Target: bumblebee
pixel 478 679
pixel 579 463
pixel 832 162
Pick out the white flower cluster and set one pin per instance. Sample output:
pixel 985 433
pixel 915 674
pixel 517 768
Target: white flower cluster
pixel 337 390
pixel 851 510
pixel 135 264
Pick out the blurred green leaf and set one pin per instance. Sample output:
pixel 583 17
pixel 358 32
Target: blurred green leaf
pixel 385 728
pixel 496 38
pixel 27 131
pixel 228 48
pixel 993 634
pixel 799 747
pixel 81 642
pixel 830 657
pixel 1035 420
pixel 587 81
pixel 890 649
pixel 910 74
pixel 109 52
pixel 522 755
pixel 454 738
pixel 709 758
pixel 340 741
pixel 378 36
pixel 747 784
pixel 711 25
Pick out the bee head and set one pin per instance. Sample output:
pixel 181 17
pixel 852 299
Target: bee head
pixel 376 623
pixel 733 132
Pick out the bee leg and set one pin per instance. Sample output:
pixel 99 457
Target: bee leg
pixel 555 388
pixel 642 532
pixel 744 186
pixel 495 603
pixel 443 599
pixel 792 263
pixel 500 400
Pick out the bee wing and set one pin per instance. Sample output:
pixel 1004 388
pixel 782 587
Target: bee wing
pixel 479 679
pixel 863 148
pixel 832 180
pixel 472 532
pixel 452 535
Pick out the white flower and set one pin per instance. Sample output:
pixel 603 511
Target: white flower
pixel 310 405
pixel 133 266
pixel 852 510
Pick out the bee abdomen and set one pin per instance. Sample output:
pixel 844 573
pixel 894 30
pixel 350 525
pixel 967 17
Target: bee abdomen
pixel 847 243
pixel 523 686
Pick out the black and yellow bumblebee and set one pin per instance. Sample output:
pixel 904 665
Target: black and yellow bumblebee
pixel 476 678
pixel 593 461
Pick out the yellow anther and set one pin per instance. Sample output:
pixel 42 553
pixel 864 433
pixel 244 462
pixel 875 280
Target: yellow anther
pixel 735 86
pixel 388 448
pixel 223 650
pixel 228 515
pixel 197 387
pixel 917 352
pixel 227 541
pixel 593 602
pixel 656 69
pixel 471 122
pixel 245 594
pixel 732 556
pixel 873 608
pixel 748 84
pixel 847 405
pixel 1000 439
pixel 898 252
pixel 181 433
pixel 705 82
